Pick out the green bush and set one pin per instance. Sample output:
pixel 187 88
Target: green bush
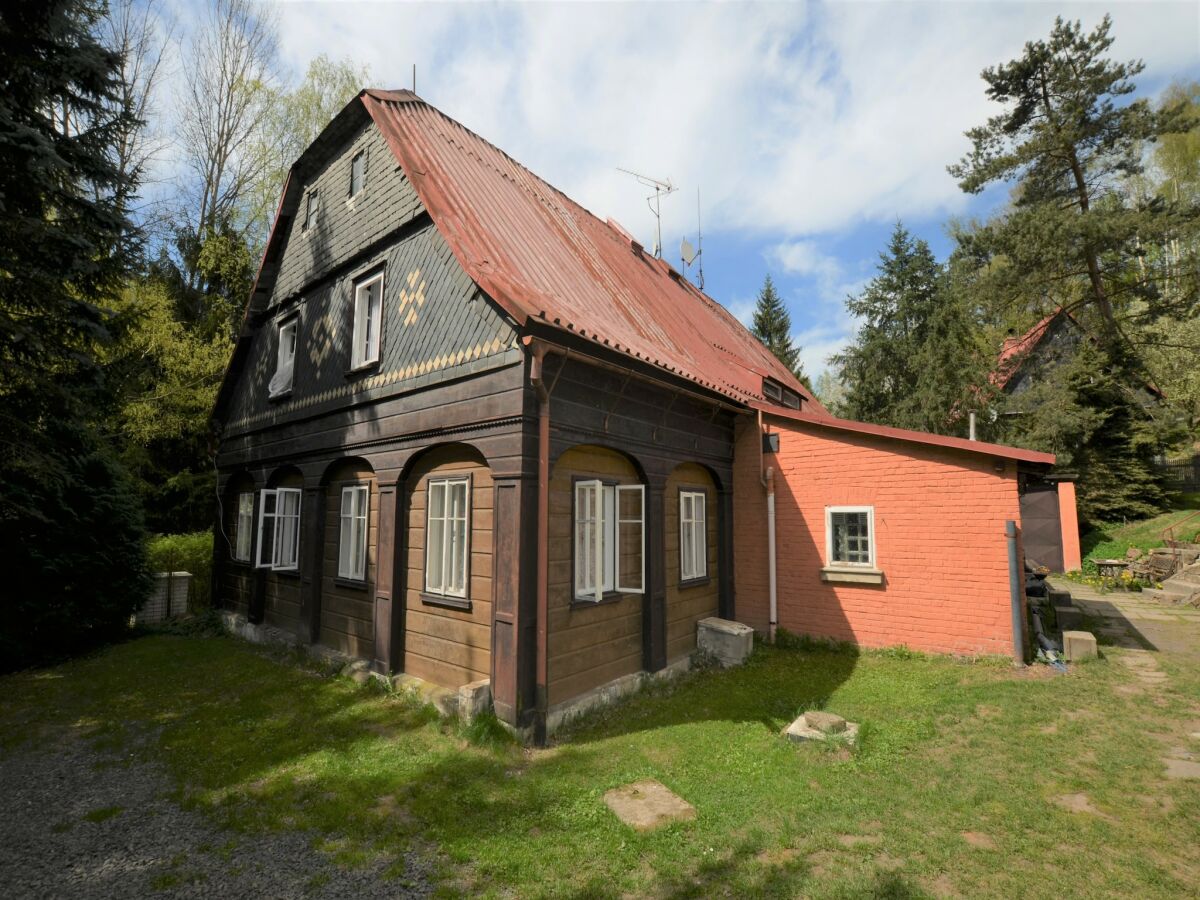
pixel 185 553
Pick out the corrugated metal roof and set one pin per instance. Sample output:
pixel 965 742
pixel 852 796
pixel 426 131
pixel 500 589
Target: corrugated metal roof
pixel 545 258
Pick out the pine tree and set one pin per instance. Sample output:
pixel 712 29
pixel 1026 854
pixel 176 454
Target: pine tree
pixel 914 358
pixel 1067 140
pixel 773 326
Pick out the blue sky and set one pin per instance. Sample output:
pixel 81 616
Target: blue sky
pixel 809 129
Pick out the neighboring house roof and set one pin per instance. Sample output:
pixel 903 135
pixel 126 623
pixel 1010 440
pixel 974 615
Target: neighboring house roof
pixel 545 259
pixel 824 420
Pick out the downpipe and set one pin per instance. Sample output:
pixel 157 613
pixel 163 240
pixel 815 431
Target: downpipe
pixel 1016 586
pixel 771 582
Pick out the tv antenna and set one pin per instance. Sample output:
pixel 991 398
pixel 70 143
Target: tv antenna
pixel 654 201
pixel 692 255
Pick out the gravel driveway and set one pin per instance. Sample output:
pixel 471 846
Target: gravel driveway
pixel 80 822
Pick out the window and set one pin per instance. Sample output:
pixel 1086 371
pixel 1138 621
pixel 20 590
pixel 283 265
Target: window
pixel 285 358
pixel 849 533
pixel 447 513
pixel 368 308
pixel 312 204
pixel 357 170
pixel 352 544
pixel 243 535
pixel 609 539
pixel 693 536
pixel 279 528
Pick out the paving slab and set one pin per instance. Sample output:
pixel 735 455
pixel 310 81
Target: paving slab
pixel 646 805
pixel 1182 768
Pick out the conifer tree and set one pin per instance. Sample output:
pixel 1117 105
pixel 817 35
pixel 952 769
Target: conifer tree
pixel 773 326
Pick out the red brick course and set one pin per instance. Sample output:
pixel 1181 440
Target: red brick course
pixel 939 531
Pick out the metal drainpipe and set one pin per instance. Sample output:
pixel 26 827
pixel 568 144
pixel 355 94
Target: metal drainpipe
pixel 774 616
pixel 1015 591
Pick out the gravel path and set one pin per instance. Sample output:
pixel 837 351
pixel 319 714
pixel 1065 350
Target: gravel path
pixel 80 822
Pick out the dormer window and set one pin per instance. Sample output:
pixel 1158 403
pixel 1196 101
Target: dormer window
pixel 312 203
pixel 773 390
pixel 285 358
pixel 358 167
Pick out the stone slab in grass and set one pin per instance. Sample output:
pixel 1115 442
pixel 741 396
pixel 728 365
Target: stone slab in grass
pixel 1182 768
pixel 820 726
pixel 646 805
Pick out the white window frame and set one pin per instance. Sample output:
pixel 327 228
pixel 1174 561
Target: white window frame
pixel 596 531
pixel 312 208
pixel 287 335
pixel 871 538
pixel 354 524
pixel 281 553
pixel 244 537
pixel 442 588
pixel 367 332
pixel 693 536
pixel 361 158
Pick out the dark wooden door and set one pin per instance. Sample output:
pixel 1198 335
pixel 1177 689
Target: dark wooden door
pixel 1041 530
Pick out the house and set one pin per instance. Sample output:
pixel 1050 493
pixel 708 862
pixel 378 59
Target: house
pixel 472 432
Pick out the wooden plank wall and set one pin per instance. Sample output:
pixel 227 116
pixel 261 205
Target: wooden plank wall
pixel 688 605
pixel 347 609
pixel 450 647
pixel 589 644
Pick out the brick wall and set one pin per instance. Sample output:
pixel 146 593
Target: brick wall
pixel 939 527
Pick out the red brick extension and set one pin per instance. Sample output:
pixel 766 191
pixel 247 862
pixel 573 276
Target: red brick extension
pixel 939 520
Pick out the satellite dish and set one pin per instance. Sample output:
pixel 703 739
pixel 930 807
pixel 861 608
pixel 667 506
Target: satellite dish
pixel 687 251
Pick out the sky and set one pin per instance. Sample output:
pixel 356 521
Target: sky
pixel 807 129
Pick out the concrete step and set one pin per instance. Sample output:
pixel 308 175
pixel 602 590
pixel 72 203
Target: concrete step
pixel 1170 596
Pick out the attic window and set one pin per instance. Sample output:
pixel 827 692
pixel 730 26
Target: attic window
pixel 357 171
pixel 312 203
pixel 772 391
pixel 791 399
pixel 285 358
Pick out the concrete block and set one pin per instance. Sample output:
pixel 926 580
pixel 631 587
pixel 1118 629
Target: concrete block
pixel 806 728
pixel 824 722
pixel 1079 645
pixel 646 805
pixel 475 698
pixel 730 642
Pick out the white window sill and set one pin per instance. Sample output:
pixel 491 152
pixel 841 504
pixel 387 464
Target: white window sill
pixel 852 575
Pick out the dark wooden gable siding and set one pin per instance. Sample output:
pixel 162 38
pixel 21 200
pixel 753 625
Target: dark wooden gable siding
pixel 436 326
pixel 344 227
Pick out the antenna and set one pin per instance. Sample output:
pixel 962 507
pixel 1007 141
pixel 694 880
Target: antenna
pixel 654 201
pixel 414 78
pixel 690 254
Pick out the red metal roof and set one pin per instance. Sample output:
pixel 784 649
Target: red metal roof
pixel 824 420
pixel 1015 349
pixel 544 258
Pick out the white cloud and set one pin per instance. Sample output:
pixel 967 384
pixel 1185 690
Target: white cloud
pixel 805 258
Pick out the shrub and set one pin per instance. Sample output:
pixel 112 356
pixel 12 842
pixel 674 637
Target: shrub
pixel 185 553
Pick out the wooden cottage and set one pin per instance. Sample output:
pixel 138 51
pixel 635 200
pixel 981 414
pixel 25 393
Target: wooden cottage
pixel 470 431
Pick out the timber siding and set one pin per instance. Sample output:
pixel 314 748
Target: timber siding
pixel 445 645
pixel 688 604
pixel 590 643
pixel 347 612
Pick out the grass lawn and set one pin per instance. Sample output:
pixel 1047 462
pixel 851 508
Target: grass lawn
pixel 1110 541
pixel 951 791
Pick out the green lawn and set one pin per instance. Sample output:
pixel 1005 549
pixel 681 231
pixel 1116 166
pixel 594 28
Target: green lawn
pixel 951 790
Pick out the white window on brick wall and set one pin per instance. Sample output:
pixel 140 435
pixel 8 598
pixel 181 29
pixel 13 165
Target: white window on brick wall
pixel 285 357
pixel 368 320
pixel 850 536
pixel 244 530
pixel 693 536
pixel 447 536
pixel 279 528
pixel 610 539
pixel 352 541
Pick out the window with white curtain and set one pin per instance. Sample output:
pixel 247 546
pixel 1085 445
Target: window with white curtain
pixel 285 357
pixel 244 529
pixel 693 536
pixel 609 539
pixel 368 321
pixel 352 540
pixel 447 535
pixel 279 528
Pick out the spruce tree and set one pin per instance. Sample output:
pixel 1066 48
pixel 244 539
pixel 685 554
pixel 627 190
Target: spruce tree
pixel 773 326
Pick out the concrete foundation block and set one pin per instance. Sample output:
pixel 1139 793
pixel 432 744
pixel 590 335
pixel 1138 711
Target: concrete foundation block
pixel 1079 645
pixel 812 727
pixel 824 722
pixel 475 699
pixel 730 642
